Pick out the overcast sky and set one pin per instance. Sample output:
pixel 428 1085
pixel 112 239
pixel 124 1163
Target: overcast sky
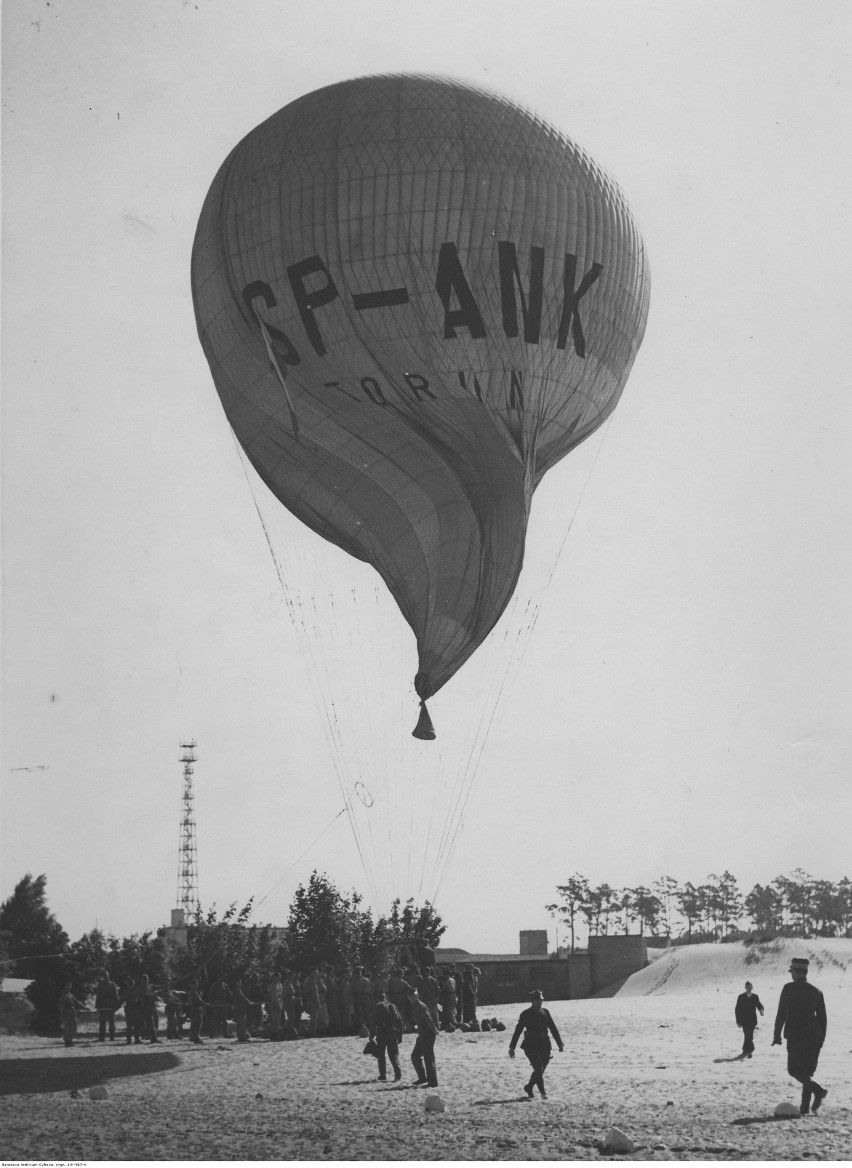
pixel 683 703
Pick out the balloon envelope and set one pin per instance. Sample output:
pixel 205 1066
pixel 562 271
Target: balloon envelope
pixel 415 297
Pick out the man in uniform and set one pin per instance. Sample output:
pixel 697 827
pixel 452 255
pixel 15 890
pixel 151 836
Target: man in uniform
pixel 424 1047
pixel 430 992
pixel 196 1013
pixel 537 1026
pixel 801 1015
pixel 106 1004
pixel 363 999
pixel 398 990
pixel 746 1010
pixel 131 1011
pixel 68 1007
pixel 218 997
pixel 386 1033
pixel 275 1006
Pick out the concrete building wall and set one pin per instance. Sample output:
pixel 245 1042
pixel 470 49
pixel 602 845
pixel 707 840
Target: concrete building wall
pixel 579 975
pixel 615 958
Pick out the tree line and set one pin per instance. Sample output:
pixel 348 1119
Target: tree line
pixel 324 927
pixel 796 905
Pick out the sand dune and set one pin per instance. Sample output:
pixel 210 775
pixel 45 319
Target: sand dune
pixel 690 969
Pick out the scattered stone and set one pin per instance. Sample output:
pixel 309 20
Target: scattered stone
pixel 97 1092
pixel 616 1141
pixel 669 1103
pixel 435 1103
pixel 258 1095
pixel 787 1111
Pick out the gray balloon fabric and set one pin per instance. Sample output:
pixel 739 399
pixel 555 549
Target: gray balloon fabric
pixel 415 297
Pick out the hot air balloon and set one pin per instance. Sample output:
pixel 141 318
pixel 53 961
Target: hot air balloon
pixel 415 297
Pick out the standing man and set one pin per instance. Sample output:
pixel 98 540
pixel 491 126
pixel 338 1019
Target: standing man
pixel 68 1007
pixel 801 1015
pixel 386 1033
pixel 363 999
pixel 242 1005
pixel 275 1006
pixel 218 996
pixel 131 1012
pixel 424 1047
pixel 746 1010
pixel 196 1013
pixel 535 1021
pixel 430 992
pixel 106 1004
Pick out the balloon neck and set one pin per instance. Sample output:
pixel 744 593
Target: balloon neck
pixel 424 728
pixel 422 685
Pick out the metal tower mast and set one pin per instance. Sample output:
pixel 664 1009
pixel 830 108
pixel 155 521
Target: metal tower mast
pixel 187 893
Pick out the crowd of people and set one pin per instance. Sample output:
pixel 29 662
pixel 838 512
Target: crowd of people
pixel 421 1000
pixel 286 1005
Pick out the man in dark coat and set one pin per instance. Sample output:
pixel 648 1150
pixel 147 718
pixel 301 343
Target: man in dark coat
pixel 746 1010
pixel 536 1022
pixel 218 997
pixel 106 1004
pixel 386 1033
pixel 423 1054
pixel 802 1018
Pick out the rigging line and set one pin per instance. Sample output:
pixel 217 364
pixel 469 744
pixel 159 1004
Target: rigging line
pixel 467 754
pixel 329 721
pixel 336 643
pixel 446 852
pixel 302 856
pixel 472 768
pixel 379 684
pixel 297 619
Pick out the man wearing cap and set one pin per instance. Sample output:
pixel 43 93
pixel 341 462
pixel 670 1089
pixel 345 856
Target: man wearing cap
pixel 386 1032
pixel 536 1022
pixel 423 1054
pixel 746 1010
pixel 801 1015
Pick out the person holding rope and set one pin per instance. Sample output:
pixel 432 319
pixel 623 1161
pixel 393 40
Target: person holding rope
pixel 536 1022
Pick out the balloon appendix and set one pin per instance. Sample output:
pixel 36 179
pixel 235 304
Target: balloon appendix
pixel 415 297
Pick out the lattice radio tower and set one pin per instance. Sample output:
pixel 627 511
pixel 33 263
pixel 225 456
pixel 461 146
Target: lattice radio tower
pixel 187 892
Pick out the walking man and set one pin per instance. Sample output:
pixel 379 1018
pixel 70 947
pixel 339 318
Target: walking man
pixel 535 1021
pixel 424 1047
pixel 386 1033
pixel 746 1010
pixel 801 1015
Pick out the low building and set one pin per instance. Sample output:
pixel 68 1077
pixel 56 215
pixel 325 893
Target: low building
pixel 509 977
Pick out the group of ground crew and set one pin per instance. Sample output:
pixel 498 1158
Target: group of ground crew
pixel 325 1001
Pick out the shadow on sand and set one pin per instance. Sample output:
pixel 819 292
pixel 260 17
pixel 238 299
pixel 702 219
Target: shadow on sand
pixel 737 1058
pixel 762 1119
pixel 32 1076
pixel 500 1102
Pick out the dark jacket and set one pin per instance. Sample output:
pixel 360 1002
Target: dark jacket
pixel 801 1015
pixel 746 1010
pixel 535 1024
pixel 387 1022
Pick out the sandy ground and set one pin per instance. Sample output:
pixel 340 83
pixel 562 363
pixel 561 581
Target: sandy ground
pixel 663 1068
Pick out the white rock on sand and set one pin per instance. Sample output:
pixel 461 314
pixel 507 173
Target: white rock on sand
pixel 625 1058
